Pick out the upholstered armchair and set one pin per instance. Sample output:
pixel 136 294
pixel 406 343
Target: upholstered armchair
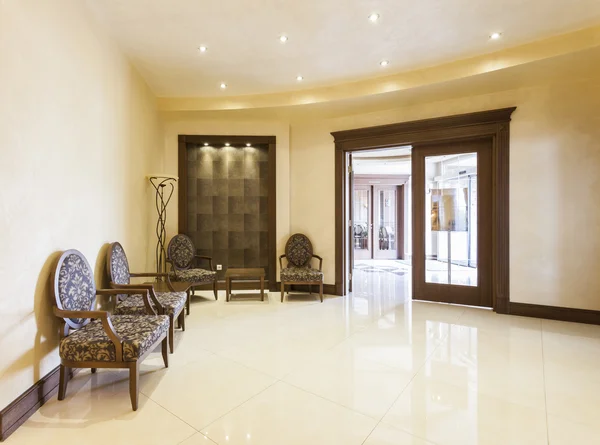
pixel 181 255
pixel 163 303
pixel 94 339
pixel 299 254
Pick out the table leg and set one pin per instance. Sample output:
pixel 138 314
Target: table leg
pixel 227 284
pixel 262 288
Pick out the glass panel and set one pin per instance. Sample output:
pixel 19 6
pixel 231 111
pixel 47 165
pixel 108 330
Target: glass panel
pixel 451 219
pixel 361 219
pixel 387 220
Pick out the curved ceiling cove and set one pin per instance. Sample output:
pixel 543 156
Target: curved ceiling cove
pixel 322 48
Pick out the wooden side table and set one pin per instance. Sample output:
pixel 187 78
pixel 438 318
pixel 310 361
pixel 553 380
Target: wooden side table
pixel 244 274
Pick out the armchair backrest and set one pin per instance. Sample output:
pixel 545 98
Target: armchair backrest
pixel 181 251
pixel 299 250
pixel 117 264
pixel 74 287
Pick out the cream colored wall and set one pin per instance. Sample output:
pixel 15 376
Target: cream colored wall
pixel 554 165
pixel 191 123
pixel 78 132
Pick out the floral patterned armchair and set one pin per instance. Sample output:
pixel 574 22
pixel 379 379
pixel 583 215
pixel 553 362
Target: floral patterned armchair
pixel 163 303
pixel 95 339
pixel 181 254
pixel 299 254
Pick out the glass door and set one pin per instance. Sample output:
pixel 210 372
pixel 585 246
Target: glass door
pixel 362 222
pixel 385 230
pixel 452 222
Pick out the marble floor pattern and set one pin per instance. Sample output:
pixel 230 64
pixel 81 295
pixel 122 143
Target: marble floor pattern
pixel 372 368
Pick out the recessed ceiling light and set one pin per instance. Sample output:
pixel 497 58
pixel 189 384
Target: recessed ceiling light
pixel 227 144
pixel 202 49
pixel 206 144
pixel 248 144
pixel 495 35
pixel 384 62
pixel 299 78
pixel 374 17
pixel 223 85
pixel 283 39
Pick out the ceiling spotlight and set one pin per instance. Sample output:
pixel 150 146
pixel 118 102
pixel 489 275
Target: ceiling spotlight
pixel 227 144
pixel 248 144
pixel 384 62
pixel 495 36
pixel 299 78
pixel 223 85
pixel 283 39
pixel 202 49
pixel 374 17
pixel 206 144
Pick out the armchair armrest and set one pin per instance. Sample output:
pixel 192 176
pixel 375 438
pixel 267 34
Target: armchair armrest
pixel 320 262
pixel 107 325
pixel 280 262
pixel 138 290
pixel 203 257
pixel 146 289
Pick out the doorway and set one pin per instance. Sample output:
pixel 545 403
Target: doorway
pixel 487 253
pixel 378 220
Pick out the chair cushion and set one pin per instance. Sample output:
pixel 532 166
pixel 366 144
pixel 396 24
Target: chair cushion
pixel 173 302
pixel 194 275
pixel 90 343
pixel 301 274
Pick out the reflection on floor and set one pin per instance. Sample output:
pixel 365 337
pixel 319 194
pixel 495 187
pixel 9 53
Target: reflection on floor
pixel 371 368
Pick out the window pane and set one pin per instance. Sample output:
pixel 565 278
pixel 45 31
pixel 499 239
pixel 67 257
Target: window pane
pixel 451 219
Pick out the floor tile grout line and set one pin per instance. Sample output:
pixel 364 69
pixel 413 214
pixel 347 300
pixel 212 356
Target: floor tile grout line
pixel 544 377
pixel 236 407
pixel 174 415
pixel 400 395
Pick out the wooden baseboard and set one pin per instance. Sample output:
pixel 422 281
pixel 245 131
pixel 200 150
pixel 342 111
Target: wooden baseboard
pixel 555 313
pixel 328 289
pixel 24 406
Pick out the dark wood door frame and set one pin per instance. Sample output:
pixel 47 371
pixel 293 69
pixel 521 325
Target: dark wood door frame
pixel 492 123
pixel 212 140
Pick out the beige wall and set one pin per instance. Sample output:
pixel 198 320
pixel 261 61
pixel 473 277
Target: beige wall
pixel 78 132
pixel 190 123
pixel 554 165
pixel 555 157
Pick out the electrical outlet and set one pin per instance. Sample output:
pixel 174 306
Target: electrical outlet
pixel 219 267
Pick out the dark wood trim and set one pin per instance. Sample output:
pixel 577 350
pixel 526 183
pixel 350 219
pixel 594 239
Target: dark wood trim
pixel 24 406
pixel 380 179
pixel 382 132
pixel 400 222
pixel 328 289
pixel 492 123
pixel 555 313
pixel 220 140
pixel 340 217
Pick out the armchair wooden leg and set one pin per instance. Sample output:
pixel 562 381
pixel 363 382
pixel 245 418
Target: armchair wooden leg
pixel 181 319
pixel 282 290
pixel 165 350
pixel 171 333
pixel 94 370
pixel 321 291
pixel 215 290
pixel 62 383
pixel 310 289
pixel 134 390
pixel 187 303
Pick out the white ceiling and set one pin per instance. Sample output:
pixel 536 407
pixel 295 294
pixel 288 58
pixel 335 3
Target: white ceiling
pixel 330 41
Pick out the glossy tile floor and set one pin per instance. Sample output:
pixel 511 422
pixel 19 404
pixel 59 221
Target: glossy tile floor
pixel 372 368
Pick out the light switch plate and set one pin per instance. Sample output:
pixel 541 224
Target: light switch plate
pixel 219 267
